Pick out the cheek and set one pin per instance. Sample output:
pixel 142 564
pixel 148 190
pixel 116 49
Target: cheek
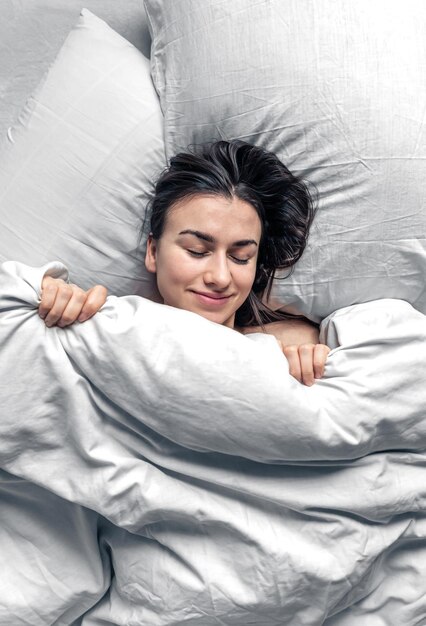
pixel 246 278
pixel 174 268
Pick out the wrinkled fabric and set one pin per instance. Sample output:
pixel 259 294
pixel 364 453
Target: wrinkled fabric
pixel 204 485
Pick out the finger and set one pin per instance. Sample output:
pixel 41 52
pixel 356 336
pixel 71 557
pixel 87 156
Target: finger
pixel 306 354
pixel 73 307
pixel 96 298
pixel 47 299
pixel 54 296
pixel 320 356
pixel 63 296
pixel 49 288
pixel 291 353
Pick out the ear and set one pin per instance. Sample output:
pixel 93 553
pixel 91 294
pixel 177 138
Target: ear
pixel 151 255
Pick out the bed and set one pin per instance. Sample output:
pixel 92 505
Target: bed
pixel 157 468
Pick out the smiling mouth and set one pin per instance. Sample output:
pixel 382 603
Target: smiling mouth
pixel 211 298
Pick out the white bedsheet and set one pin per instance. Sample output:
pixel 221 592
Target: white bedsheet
pixel 169 471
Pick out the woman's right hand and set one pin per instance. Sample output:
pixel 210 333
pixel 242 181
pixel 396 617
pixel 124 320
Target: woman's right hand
pixel 62 304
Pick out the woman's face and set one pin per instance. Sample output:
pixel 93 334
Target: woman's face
pixel 205 260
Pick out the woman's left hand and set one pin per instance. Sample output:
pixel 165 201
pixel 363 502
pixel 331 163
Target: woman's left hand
pixel 307 361
pixel 299 341
pixel 62 304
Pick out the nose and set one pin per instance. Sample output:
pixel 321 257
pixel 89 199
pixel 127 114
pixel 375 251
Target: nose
pixel 217 273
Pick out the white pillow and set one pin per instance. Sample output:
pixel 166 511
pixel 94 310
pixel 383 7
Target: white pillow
pixel 337 90
pixel 77 170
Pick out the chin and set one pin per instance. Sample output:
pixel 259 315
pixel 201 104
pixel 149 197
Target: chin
pixel 229 322
pixel 211 317
pixel 217 319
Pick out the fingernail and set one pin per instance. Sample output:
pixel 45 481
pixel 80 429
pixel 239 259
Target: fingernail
pixel 82 318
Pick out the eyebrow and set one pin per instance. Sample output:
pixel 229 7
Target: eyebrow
pixel 210 239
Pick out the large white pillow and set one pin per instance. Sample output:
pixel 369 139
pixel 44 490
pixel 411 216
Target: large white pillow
pixel 337 90
pixel 77 169
pixel 31 33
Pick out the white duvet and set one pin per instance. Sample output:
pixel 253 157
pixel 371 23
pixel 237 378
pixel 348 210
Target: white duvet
pixel 158 469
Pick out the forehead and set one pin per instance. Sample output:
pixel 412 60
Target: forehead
pixel 215 215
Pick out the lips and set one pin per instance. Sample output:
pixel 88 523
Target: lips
pixel 215 296
pixel 211 298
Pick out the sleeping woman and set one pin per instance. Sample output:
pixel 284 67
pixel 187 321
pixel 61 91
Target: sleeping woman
pixel 223 220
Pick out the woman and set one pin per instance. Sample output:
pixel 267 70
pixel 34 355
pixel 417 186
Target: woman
pixel 223 220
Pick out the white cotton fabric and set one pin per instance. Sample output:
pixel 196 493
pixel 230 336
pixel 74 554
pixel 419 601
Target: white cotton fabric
pixel 219 489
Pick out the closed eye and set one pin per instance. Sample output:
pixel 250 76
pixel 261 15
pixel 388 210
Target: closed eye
pixel 196 253
pixel 202 254
pixel 240 261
